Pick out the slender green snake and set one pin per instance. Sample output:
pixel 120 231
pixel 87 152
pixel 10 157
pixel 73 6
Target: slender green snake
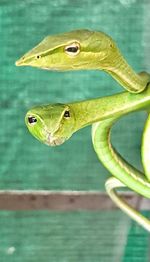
pixel 54 124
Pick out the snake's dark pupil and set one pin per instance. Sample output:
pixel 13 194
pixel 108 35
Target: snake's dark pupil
pixel 67 114
pixel 72 49
pixel 32 119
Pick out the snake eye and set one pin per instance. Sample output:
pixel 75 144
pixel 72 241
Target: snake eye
pixel 32 120
pixel 72 49
pixel 67 114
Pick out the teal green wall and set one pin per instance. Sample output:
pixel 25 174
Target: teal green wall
pixel 43 236
pixel 25 163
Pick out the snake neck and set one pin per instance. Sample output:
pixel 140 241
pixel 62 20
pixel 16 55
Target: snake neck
pixel 125 75
pixel 90 111
pixel 113 161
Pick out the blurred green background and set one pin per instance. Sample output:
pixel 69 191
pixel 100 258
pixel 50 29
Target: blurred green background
pixel 25 163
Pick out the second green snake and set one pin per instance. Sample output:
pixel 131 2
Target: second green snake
pixel 54 124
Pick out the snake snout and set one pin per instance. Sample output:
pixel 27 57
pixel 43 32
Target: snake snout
pixel 54 141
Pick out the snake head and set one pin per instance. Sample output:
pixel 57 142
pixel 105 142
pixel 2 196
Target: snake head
pixel 75 50
pixel 51 124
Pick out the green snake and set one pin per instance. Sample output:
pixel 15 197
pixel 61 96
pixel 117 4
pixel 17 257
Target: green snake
pixel 55 123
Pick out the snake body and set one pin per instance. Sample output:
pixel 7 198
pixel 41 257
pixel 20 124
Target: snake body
pixel 54 124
